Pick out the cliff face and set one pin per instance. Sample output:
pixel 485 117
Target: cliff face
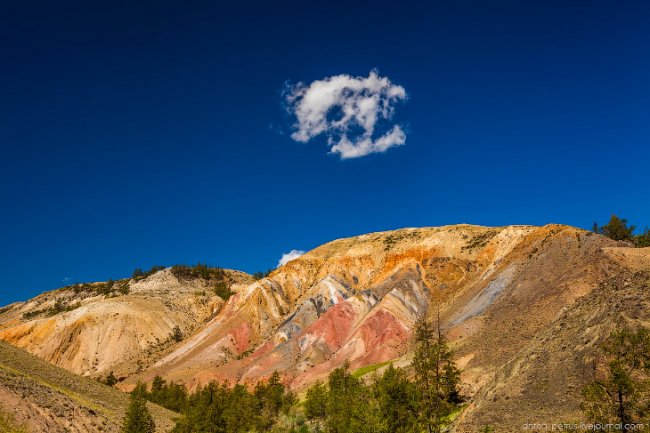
pixel 91 330
pixel 523 307
pixel 352 299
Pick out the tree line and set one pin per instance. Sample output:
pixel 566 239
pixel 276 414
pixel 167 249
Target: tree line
pixel 421 398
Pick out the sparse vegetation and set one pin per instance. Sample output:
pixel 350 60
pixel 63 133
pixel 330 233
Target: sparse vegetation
pixel 9 425
pixel 480 241
pixel 108 288
pixel 60 306
pixel 139 274
pixel 621 393
pixel 200 270
pixel 51 390
pixel 222 290
pixel 262 274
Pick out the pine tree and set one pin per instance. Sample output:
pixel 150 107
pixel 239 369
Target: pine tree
pixel 618 229
pixel 623 395
pixel 138 419
pixel 316 402
pixel 397 400
pixel 157 384
pixel 350 405
pixel 436 377
pixel 270 401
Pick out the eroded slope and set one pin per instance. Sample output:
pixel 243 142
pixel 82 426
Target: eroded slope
pixel 91 330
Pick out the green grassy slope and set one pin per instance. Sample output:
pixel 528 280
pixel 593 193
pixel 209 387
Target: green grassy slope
pixel 63 399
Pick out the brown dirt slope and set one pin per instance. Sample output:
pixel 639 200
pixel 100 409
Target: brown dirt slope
pixel 48 399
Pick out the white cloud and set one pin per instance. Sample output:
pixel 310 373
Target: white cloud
pixel 347 111
pixel 291 255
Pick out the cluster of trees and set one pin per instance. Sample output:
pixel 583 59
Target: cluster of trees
pixel 214 408
pixel 139 274
pixel 200 270
pixel 218 408
pixel 619 230
pixel 262 274
pixel 170 395
pixel 420 399
pixel 621 395
pixel 396 401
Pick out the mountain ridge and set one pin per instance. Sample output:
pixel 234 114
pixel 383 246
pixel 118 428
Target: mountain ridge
pixel 497 291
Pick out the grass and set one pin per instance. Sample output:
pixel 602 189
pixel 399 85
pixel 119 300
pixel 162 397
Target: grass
pixel 34 375
pixel 454 414
pixel 9 425
pixel 369 369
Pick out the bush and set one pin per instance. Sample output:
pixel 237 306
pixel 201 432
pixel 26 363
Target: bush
pixel 262 274
pixel 177 334
pixel 110 379
pixel 222 290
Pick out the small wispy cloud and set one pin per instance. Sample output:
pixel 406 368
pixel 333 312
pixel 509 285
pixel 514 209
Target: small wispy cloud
pixel 347 110
pixel 287 257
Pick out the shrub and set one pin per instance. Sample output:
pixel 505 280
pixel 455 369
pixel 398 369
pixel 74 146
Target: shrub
pixel 222 290
pixel 177 334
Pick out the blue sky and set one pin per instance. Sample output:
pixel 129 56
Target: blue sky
pixel 141 133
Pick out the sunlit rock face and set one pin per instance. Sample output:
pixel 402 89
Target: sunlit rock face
pixel 357 300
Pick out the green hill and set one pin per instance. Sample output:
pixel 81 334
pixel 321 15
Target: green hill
pixel 45 398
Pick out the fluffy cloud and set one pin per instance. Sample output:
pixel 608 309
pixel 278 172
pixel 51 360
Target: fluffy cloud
pixel 291 255
pixel 347 111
